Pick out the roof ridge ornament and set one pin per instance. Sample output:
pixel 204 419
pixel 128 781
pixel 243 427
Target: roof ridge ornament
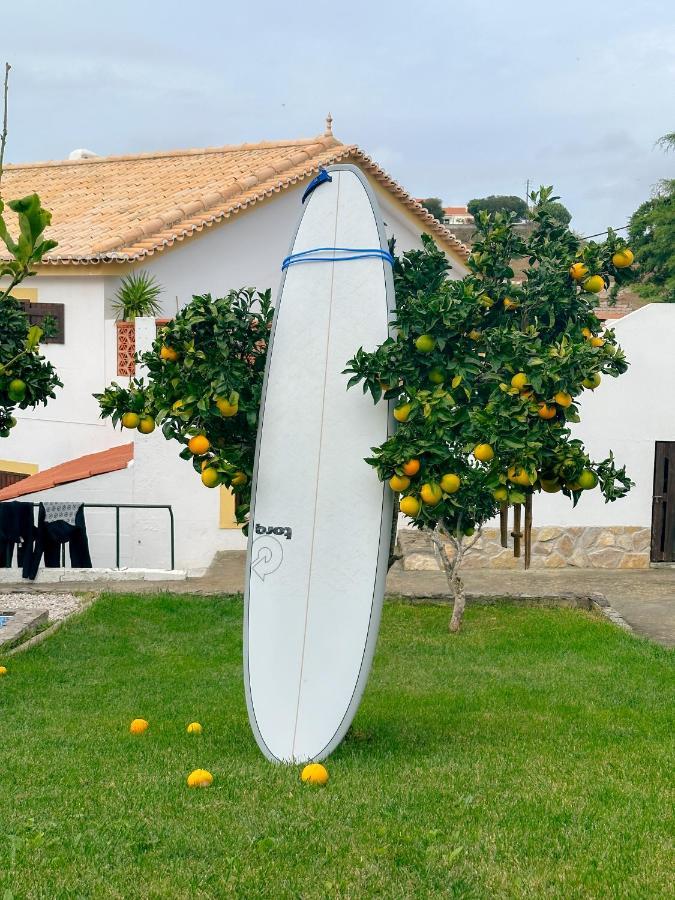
pixel 329 126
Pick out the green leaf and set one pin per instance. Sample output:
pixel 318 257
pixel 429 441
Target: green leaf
pixel 33 339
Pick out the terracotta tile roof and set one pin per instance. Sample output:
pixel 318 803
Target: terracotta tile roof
pixel 455 210
pixel 73 470
pixel 125 208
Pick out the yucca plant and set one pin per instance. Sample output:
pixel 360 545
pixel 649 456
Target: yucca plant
pixel 137 296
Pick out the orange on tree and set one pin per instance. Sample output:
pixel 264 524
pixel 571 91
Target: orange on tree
pixel 450 483
pixel 210 477
pixel 587 333
pixel 501 493
pixel 146 425
pixel 425 343
pixel 431 494
pixel 399 483
pixel 597 342
pixel 16 390
pixel 436 375
pixel 411 467
pixel 402 412
pixel 226 408
pixel 519 475
pixel 510 303
pixel 622 259
pixel 199 444
pixel 168 353
pixel 545 411
pixel 131 420
pixel 594 284
pixel 562 398
pixel 519 380
pixel 587 480
pixel 549 485
pixel 239 479
pixel 578 271
pixel 410 506
pixel 483 452
pixel 592 381
pixel 474 334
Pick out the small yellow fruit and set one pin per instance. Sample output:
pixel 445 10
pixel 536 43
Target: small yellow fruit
pixel 194 728
pixel 402 412
pixel 210 477
pixel 399 483
pixel 425 343
pixel 597 341
pixel 578 271
pixel 138 726
pixel 200 778
pixel 475 334
pixel 562 398
pixel 431 494
pixel 450 483
pixel 592 382
pixel 483 452
pixel 519 380
pixel 131 420
pixel 587 480
pixel 587 333
pixel 410 506
pixel 199 444
pixel 545 411
pixel 239 478
pixel 518 475
pixel 146 425
pixel 594 284
pixel 510 303
pixel 623 258
pixel 3 670
pixel 314 773
pixel 501 493
pixel 226 409
pixel 549 485
pixel 436 375
pixel 168 354
pixel 411 467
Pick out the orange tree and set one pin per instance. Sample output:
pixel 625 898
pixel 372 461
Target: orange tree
pixel 203 386
pixel 486 372
pixel 26 378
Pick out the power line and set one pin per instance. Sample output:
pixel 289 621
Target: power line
pixel 600 233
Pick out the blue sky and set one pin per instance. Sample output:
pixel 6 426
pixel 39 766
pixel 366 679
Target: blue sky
pixel 454 100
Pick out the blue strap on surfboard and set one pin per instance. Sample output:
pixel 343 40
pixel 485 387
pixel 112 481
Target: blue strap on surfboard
pixel 348 253
pixel 321 178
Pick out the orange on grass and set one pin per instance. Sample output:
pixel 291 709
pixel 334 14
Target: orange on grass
pixel 194 728
pixel 399 483
pixel 3 671
pixel 314 773
pixel 200 778
pixel 138 726
pixel 411 467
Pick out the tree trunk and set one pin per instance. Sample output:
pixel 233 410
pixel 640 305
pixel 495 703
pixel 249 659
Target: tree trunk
pixel 451 569
pixel 528 531
pixel 459 596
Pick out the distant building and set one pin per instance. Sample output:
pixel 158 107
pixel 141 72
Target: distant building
pixel 457 215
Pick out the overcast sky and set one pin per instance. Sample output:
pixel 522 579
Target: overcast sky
pixel 456 100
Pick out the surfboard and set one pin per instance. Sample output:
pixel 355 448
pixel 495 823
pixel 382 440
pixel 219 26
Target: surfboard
pixel 320 519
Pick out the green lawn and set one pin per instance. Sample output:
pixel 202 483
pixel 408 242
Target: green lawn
pixel 530 756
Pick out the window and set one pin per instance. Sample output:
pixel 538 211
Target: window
pixel 38 312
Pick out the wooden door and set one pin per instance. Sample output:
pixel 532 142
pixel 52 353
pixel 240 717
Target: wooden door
pixel 663 503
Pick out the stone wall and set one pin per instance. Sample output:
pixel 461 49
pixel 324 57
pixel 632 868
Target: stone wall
pixel 553 547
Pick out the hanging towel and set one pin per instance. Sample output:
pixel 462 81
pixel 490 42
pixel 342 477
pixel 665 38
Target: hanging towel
pixel 61 512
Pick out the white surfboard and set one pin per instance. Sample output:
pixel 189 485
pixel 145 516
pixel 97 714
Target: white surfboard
pixel 320 518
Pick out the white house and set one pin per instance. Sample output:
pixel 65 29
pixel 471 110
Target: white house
pixel 199 221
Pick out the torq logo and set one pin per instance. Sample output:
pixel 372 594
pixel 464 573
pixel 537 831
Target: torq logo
pixel 274 529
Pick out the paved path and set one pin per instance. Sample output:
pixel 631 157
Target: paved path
pixel 644 598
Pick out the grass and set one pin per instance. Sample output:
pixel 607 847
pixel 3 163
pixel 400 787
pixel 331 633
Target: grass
pixel 529 756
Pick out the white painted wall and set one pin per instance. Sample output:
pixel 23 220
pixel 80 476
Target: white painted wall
pixel 626 415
